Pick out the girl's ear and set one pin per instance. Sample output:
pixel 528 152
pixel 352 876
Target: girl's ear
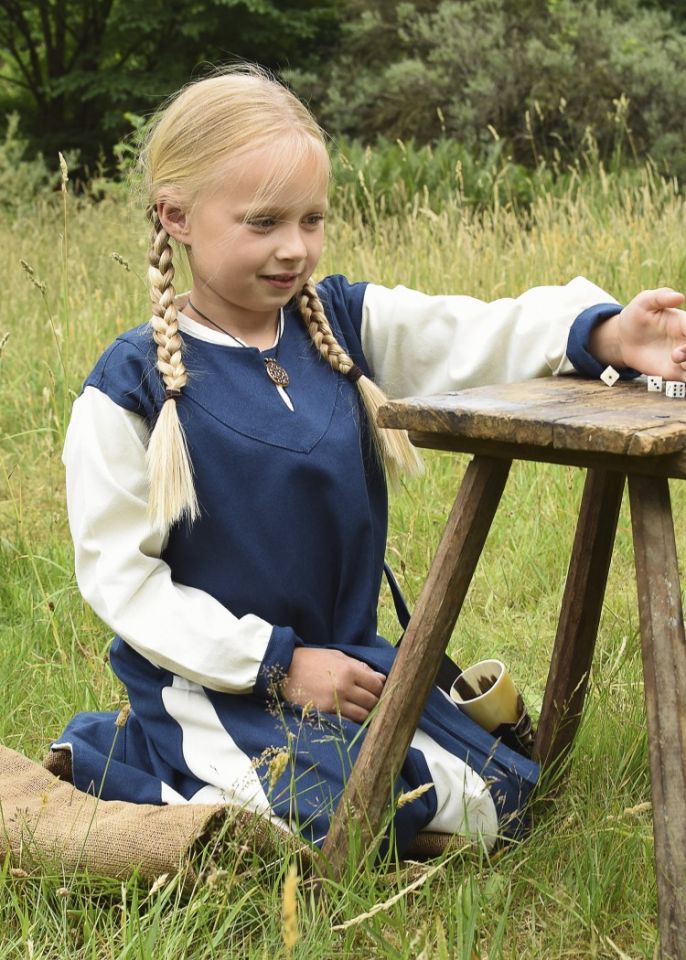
pixel 174 220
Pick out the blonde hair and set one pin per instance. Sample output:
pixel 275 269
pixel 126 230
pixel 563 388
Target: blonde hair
pixel 209 122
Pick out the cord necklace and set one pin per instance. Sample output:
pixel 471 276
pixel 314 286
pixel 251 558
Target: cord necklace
pixel 275 371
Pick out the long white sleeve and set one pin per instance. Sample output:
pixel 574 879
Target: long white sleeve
pixel 418 345
pixel 118 565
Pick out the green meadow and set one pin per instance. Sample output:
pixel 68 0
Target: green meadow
pixel 582 884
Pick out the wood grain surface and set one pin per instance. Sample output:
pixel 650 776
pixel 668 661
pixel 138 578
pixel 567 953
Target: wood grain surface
pixel 582 605
pixel 557 413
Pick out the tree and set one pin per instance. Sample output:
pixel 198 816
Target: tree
pixel 76 66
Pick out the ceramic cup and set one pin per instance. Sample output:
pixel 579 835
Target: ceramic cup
pixel 487 694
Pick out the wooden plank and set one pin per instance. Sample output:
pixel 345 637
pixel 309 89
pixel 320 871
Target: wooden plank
pixel 409 682
pixel 664 668
pixel 564 413
pixel 672 465
pixel 579 616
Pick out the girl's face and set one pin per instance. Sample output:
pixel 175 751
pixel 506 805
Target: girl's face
pixel 249 256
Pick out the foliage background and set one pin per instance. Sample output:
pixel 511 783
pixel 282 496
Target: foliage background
pixel 539 74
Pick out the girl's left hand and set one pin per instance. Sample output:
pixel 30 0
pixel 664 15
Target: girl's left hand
pixel 651 334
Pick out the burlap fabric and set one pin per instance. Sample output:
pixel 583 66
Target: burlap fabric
pixel 47 824
pixel 426 845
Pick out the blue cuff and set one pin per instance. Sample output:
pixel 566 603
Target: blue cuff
pixel 579 336
pixel 276 661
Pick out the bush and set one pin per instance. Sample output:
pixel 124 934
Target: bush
pixel 400 178
pixel 543 74
pixel 394 177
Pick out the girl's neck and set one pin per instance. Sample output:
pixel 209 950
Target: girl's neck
pixel 255 330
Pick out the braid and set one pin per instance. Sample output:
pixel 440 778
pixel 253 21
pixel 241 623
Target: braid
pixel 393 446
pixel 164 321
pixel 172 492
pixel 319 329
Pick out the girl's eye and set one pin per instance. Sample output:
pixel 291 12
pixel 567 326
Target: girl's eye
pixel 262 223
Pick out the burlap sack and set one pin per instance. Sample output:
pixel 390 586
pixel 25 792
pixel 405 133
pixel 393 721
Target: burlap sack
pixel 427 845
pixel 47 824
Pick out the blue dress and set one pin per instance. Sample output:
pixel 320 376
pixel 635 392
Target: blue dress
pixel 293 529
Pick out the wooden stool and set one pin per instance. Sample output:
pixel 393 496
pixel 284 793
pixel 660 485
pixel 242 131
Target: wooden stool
pixel 617 432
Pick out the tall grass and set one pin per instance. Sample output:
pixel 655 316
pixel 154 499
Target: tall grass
pixel 583 884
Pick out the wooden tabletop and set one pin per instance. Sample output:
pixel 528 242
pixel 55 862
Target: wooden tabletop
pixel 554 418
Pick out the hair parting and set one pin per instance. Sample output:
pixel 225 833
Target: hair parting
pixel 393 447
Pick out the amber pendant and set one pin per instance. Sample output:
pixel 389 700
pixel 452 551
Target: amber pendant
pixel 276 372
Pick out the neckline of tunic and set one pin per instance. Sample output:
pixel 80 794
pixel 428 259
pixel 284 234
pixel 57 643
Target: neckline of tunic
pixel 198 330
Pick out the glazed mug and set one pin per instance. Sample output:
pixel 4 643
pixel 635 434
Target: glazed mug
pixel 487 694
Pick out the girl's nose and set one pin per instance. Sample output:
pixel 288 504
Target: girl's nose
pixel 292 244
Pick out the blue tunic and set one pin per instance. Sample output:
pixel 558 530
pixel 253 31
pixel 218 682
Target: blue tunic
pixel 292 529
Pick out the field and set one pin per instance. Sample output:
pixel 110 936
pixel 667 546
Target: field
pixel 583 884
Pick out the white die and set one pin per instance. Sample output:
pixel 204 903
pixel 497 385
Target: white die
pixel 609 376
pixel 654 384
pixel 675 389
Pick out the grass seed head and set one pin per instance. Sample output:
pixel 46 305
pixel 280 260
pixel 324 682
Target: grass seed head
pixel 117 257
pixel 64 171
pixel 276 767
pixel 289 909
pixel 31 274
pixel 123 716
pixel 411 795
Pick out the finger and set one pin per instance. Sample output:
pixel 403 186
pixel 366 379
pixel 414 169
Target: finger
pixel 370 680
pixel 663 298
pixel 369 669
pixel 362 698
pixel 351 711
pixel 679 354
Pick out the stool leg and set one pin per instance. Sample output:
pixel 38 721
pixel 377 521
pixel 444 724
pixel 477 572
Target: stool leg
pixel 416 664
pixel 580 614
pixel 664 670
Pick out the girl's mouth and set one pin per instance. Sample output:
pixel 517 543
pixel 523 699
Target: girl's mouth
pixel 282 281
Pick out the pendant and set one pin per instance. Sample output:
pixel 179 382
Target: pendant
pixel 276 372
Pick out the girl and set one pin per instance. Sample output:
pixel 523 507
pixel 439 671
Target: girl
pixel 225 481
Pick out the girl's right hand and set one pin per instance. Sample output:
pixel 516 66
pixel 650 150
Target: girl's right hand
pixel 332 682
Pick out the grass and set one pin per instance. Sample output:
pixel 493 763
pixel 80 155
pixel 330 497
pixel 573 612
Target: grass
pixel 583 884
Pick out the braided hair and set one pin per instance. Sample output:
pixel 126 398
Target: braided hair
pixel 393 446
pixel 172 491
